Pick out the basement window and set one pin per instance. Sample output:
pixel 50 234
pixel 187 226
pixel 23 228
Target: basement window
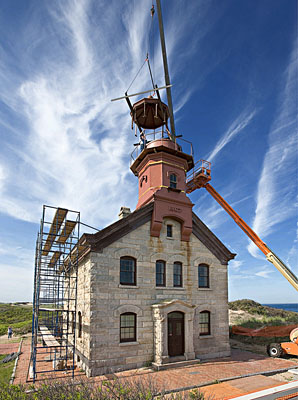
pixel 169 231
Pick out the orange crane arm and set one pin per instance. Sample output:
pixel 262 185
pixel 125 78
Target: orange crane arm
pixel 239 221
pixel 273 258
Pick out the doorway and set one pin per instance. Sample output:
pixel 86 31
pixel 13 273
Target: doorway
pixel 176 333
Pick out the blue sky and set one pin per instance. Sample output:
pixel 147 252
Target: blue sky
pixel 233 66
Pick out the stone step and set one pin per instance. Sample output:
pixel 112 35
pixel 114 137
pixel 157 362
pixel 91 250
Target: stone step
pixel 175 364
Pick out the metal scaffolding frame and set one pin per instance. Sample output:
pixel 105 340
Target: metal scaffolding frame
pixel 55 293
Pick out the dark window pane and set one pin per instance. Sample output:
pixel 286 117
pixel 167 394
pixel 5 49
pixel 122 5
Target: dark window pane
pixel 160 273
pixel 80 324
pixel 127 271
pixel 173 181
pixel 203 276
pixel 205 323
pixel 128 327
pixel 177 278
pixel 169 231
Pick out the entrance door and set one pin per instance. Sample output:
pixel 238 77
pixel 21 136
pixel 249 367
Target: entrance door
pixel 175 333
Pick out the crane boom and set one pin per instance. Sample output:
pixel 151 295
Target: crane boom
pixel 198 178
pixel 277 262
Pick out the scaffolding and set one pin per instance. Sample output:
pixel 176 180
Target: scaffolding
pixel 55 293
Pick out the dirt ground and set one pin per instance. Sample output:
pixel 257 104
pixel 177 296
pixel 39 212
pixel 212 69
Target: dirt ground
pixel 15 339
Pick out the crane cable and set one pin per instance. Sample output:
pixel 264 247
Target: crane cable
pixel 151 32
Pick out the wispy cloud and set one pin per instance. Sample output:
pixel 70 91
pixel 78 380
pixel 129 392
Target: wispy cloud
pixel 235 265
pixel 264 273
pixel 277 186
pixel 235 128
pixel 73 144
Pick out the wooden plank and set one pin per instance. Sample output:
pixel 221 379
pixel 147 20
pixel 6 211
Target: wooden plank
pixel 54 229
pixel 66 231
pixel 55 258
pixel 47 337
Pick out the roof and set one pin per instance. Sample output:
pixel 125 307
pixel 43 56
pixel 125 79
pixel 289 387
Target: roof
pixel 98 241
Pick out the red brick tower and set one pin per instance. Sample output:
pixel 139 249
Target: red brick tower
pixel 161 168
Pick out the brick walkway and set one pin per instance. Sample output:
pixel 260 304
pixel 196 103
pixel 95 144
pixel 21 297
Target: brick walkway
pixel 240 387
pixel 240 363
pixel 23 363
pixel 7 348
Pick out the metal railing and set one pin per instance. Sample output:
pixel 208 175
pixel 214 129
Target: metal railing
pixel 158 135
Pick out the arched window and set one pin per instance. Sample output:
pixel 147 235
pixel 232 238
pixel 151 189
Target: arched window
pixel 160 268
pixel 128 271
pixel 128 327
pixel 79 324
pixel 173 181
pixel 204 276
pixel 177 274
pixel 205 328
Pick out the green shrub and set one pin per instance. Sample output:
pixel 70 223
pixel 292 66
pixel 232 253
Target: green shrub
pixel 18 317
pixel 107 390
pixel 252 307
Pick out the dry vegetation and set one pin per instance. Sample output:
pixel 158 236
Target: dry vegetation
pixel 250 314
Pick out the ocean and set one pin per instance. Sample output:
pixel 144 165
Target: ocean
pixel 287 307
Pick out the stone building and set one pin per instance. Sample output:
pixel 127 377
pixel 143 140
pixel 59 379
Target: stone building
pixel 152 287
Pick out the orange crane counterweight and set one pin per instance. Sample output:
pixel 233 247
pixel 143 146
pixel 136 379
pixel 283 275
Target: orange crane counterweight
pixel 200 177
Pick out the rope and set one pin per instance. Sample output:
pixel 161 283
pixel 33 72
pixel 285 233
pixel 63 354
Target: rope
pixel 136 74
pixel 151 32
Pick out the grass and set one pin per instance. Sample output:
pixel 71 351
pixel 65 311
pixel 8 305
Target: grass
pixel 17 316
pixel 5 370
pixel 106 390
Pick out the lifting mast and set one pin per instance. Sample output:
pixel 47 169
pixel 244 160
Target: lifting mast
pixel 166 69
pixel 199 177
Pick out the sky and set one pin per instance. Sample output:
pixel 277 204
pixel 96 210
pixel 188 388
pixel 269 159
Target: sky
pixel 233 66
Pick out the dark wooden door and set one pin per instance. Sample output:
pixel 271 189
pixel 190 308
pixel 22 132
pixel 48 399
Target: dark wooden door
pixel 175 333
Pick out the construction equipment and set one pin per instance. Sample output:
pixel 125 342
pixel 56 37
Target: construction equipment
pixel 199 177
pixel 278 349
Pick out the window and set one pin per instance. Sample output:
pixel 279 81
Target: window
pixel 79 324
pixel 177 274
pixel 127 271
pixel 205 323
pixel 173 181
pixel 160 273
pixel 128 327
pixel 203 276
pixel 72 322
pixel 169 231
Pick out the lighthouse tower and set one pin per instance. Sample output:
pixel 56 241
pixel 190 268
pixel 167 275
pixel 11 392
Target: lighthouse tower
pixel 161 168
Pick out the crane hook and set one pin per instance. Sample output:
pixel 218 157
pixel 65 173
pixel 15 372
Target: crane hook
pixel 152 10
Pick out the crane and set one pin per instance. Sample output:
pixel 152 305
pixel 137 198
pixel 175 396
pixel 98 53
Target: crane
pixel 156 116
pixel 199 177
